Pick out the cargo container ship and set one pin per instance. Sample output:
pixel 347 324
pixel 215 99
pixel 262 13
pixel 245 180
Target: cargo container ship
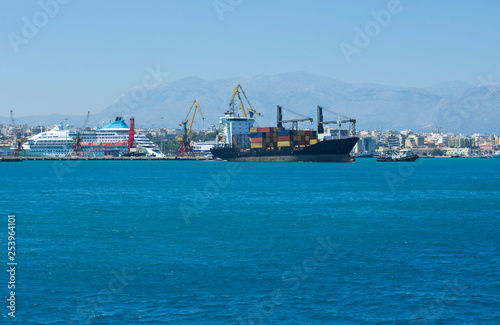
pixel 238 140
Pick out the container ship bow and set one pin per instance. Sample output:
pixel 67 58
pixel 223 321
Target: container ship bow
pixel 238 140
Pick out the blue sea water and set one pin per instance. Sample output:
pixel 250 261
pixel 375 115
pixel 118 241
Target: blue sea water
pixel 180 242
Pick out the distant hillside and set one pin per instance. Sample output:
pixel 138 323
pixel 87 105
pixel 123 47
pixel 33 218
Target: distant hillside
pixel 455 106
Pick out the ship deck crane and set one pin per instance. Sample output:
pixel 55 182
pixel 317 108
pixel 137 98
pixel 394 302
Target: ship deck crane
pixel 294 121
pixel 18 137
pixel 251 111
pixel 185 148
pixel 339 122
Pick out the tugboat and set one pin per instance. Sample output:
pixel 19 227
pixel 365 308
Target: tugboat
pixel 401 155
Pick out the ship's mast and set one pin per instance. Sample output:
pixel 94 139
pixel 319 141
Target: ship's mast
pixel 321 129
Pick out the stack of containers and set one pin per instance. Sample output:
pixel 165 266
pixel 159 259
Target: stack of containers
pixel 257 140
pixel 263 138
pixel 289 138
pixel 311 137
pixel 285 138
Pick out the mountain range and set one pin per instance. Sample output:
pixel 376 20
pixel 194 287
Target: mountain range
pixel 454 106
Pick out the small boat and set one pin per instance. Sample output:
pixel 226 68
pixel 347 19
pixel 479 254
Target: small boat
pixel 401 155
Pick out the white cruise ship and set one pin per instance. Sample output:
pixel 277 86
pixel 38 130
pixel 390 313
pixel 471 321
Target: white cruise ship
pixel 111 139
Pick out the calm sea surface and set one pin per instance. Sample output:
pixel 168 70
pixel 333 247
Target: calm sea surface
pixel 153 242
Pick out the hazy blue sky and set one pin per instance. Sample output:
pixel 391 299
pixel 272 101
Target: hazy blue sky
pixel 86 53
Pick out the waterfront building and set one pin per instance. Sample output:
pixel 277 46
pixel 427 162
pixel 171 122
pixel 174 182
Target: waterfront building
pixel 464 152
pixel 459 142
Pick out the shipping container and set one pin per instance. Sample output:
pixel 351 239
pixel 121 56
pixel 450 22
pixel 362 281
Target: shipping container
pixel 257 135
pixel 256 140
pixel 285 133
pixel 256 145
pixel 285 143
pixel 264 130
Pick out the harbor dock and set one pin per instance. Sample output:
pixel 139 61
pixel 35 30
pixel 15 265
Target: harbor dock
pixel 111 158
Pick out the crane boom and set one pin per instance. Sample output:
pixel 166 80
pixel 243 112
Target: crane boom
pixel 250 110
pixel 12 119
pixel 194 113
pixel 185 148
pixel 298 120
pixel 231 103
pixel 339 121
pixel 352 122
pixel 294 121
pixel 196 106
pixel 86 120
pixel 17 136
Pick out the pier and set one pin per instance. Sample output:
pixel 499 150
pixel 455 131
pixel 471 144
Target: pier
pixel 106 158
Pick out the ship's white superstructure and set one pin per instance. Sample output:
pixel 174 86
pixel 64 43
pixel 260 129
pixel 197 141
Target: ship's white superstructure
pixel 111 139
pixel 234 130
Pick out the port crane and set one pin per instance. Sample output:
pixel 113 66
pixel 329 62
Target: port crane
pixel 294 122
pixel 232 108
pixel 18 137
pixel 185 148
pixel 130 141
pixel 339 122
pixel 77 142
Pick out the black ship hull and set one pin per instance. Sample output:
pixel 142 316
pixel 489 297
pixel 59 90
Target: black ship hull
pixel 324 151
